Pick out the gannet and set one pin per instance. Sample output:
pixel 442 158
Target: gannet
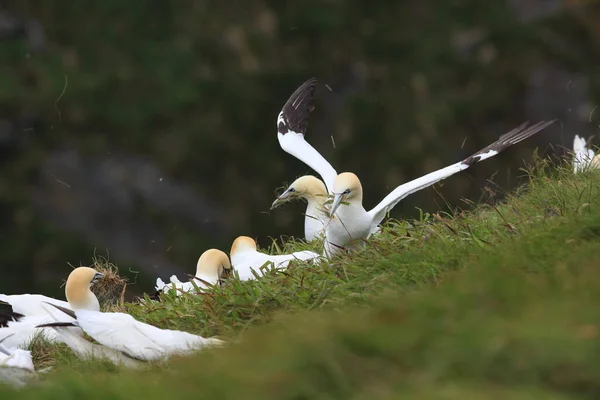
pixel 19 329
pixel 585 158
pixel 122 332
pixel 245 258
pixel 312 190
pixel 350 225
pixel 209 269
pixel 292 123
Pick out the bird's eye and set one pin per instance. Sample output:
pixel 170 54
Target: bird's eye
pixel 347 191
pixel 291 190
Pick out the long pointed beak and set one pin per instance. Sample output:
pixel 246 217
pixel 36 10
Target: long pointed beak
pixel 338 198
pixel 283 198
pixel 97 276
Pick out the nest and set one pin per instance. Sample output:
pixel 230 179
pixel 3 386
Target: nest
pixel 110 290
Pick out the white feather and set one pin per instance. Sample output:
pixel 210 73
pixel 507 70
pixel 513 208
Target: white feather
pixel 293 143
pixel 16 358
pixel 584 157
pixel 30 304
pixel 244 261
pixel 83 348
pixel 139 340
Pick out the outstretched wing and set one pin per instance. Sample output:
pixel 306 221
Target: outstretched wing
pixel 291 127
pixel 505 141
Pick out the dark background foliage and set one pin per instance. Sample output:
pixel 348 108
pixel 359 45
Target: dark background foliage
pixel 145 131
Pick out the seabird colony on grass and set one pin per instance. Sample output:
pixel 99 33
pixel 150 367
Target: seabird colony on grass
pixel 119 331
pixel 334 214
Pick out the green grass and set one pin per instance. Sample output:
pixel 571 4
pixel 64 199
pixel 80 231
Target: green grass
pixel 496 303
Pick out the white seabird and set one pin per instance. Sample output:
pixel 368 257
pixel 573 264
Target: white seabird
pixel 351 224
pixel 585 158
pixel 209 269
pixel 245 258
pixel 18 329
pixel 122 332
pixel 312 190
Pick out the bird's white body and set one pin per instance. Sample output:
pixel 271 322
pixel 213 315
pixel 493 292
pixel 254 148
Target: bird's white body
pixel 184 287
pixel 118 331
pixel 15 358
pixel 245 259
pixel 246 262
pixel 87 350
pixel 350 224
pixel 19 332
pixel 30 304
pixel 82 347
pixel 585 158
pixel 315 219
pixel 139 340
pixel 16 366
pixel 209 268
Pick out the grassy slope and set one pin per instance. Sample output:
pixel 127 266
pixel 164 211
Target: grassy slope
pixel 499 303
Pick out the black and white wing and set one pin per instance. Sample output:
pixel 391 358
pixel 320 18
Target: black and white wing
pixel 292 123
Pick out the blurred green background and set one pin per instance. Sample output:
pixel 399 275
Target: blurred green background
pixel 145 131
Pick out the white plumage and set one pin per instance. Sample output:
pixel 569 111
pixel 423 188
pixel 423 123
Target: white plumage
pixel 30 304
pixel 350 224
pixel 15 358
pixel 209 269
pixel 585 158
pixel 19 326
pixel 18 334
pixel 312 190
pixel 16 366
pixel 245 258
pixel 139 340
pixel 123 333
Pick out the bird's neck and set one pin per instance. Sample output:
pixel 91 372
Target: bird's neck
pixel 211 276
pixel 353 209
pixel 83 299
pixel 316 208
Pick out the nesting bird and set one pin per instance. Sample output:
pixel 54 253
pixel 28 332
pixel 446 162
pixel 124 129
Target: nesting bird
pixel 248 261
pixel 24 312
pixel 312 190
pixel 349 223
pixel 119 331
pixel 585 158
pixel 209 270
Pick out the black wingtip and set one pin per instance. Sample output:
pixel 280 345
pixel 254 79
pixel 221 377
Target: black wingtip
pixel 70 313
pixel 294 114
pixel 56 325
pixel 7 314
pixel 506 140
